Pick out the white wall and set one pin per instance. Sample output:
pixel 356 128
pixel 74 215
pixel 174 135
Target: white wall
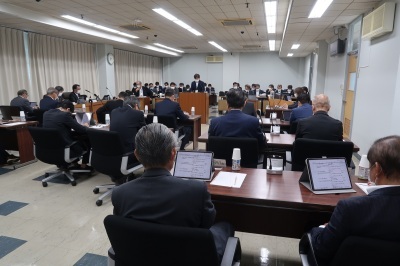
pixel 306 76
pixel 246 68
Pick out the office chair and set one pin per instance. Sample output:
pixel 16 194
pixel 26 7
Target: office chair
pixel 170 122
pixel 65 95
pixel 36 115
pixel 313 148
pixel 108 157
pixel 293 127
pixel 142 243
pixel 354 250
pixel 278 112
pixel 222 147
pixel 49 148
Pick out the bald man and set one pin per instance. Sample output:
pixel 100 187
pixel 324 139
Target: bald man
pixel 320 125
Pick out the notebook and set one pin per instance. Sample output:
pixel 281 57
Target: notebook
pixel 194 165
pixel 327 176
pixel 83 118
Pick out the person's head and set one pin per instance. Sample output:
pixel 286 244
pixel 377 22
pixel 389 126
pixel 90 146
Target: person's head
pixel 157 83
pixel 60 90
pixel 23 93
pixel 151 85
pixel 247 87
pixel 138 84
pixel 236 99
pixel 122 95
pixel 298 91
pixel 384 158
pixel 305 89
pixel 279 87
pixel 289 87
pixel 187 86
pixel 166 84
pixel 321 103
pixel 235 85
pixel 196 77
pixel 170 93
pixel 66 106
pixel 155 146
pixel 76 88
pixel 303 98
pixel 209 85
pixel 132 101
pixel 271 87
pixel 181 85
pixel 52 92
pixel 146 85
pixel 257 86
pixel 172 85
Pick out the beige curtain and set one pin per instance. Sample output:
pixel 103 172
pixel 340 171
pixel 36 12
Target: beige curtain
pixel 13 66
pixel 130 67
pixel 60 62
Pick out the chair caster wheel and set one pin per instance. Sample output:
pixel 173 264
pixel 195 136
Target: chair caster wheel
pixel 46 175
pixel 99 202
pixel 73 183
pixel 44 184
pixel 96 190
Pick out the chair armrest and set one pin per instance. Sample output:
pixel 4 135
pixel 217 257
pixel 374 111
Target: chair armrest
pixel 72 144
pixel 111 257
pixel 233 252
pixel 127 154
pixel 306 251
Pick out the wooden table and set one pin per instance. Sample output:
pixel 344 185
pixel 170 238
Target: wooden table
pixel 16 136
pixel 274 204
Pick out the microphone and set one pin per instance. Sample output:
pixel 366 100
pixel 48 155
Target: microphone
pixel 110 92
pixel 88 91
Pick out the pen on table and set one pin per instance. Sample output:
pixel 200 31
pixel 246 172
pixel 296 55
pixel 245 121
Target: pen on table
pixel 234 184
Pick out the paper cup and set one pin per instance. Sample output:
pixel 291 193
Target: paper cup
pixel 236 159
pixel 155 119
pixel 273 115
pixel 192 111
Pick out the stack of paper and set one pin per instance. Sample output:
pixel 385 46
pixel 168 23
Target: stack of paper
pixel 228 179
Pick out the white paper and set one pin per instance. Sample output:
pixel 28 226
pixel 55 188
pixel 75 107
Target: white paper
pixel 229 179
pixel 367 189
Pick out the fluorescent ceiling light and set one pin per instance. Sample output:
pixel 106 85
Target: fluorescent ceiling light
pixel 319 8
pixel 290 54
pixel 271 45
pixel 270 15
pixel 295 46
pixel 218 46
pixel 169 16
pixel 98 26
pixel 167 47
pixel 150 47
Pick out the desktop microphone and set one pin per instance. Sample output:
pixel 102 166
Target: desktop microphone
pixel 274 170
pixel 88 91
pixel 110 93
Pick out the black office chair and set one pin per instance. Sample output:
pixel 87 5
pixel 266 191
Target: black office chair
pixel 49 148
pixel 65 95
pixel 108 157
pixel 36 115
pixel 278 112
pixel 312 148
pixel 222 147
pixel 170 122
pixel 141 243
pixel 293 127
pixel 354 250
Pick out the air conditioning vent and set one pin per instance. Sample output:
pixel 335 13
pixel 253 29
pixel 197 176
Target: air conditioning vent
pixel 379 21
pixel 255 46
pixel 214 59
pixel 188 47
pixel 132 27
pixel 237 22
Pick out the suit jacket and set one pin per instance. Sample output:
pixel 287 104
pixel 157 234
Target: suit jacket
pixel 158 197
pixel 127 122
pixel 210 90
pixel 146 92
pixel 64 122
pixel 200 87
pixel 48 103
pixel 248 109
pixel 237 124
pixel 320 126
pixel 73 97
pixel 301 112
pixel 107 108
pixel 254 92
pixel 22 103
pixel 376 215
pixel 168 107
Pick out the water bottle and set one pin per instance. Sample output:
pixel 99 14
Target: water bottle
pixel 22 116
pixel 107 119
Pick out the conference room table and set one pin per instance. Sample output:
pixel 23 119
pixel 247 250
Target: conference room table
pixel 281 141
pixel 14 135
pixel 275 205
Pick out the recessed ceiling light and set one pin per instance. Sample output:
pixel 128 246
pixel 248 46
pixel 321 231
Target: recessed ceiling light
pixel 271 45
pixel 218 46
pixel 171 17
pixel 270 15
pixel 290 54
pixel 319 8
pixel 295 46
pixel 98 26
pixel 167 47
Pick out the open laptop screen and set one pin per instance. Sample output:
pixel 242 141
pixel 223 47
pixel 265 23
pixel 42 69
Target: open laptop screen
pixel 328 174
pixel 194 165
pixel 83 118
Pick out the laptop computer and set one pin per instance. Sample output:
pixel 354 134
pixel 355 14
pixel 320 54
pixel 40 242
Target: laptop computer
pixel 327 176
pixel 33 104
pixel 83 118
pixel 194 165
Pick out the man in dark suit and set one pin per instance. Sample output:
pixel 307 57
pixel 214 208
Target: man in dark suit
pixel 197 84
pixel 158 87
pixel 320 125
pixel 109 106
pixel 303 110
pixel 235 123
pixel 170 107
pixel 50 100
pixel 61 119
pixel 158 197
pixel 375 215
pixel 74 96
pixel 142 91
pixel 22 102
pixel 210 89
pixel 127 120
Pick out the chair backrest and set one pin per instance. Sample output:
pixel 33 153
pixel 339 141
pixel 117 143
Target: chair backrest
pixel 286 115
pixel 277 111
pixel 37 115
pixel 312 148
pixel 293 127
pixel 65 95
pixel 221 93
pixel 8 111
pixel 167 120
pixel 222 147
pixel 106 152
pixel 142 243
pixel 49 145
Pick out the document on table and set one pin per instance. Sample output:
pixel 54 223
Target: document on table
pixel 370 188
pixel 228 179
